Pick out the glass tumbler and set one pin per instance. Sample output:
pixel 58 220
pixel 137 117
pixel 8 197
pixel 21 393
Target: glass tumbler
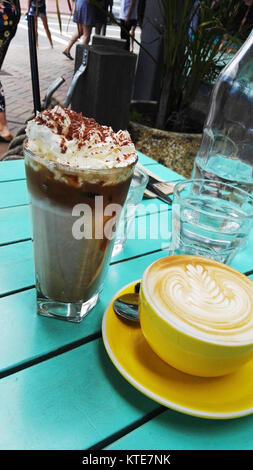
pixel 134 197
pixel 74 212
pixel 211 219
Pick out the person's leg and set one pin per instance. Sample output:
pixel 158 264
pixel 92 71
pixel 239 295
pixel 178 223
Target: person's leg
pixel 86 33
pixel 124 33
pixel 6 42
pixel 5 133
pixel 132 36
pixel 11 27
pixel 72 41
pixel 3 51
pixel 110 7
pixel 46 28
pixel 98 28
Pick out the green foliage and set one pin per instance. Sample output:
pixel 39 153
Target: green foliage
pixel 196 35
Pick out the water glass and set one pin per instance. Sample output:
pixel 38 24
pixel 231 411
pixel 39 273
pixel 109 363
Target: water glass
pixel 210 218
pixel 134 197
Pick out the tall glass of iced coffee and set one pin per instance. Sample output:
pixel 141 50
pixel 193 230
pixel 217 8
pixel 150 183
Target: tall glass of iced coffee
pixel 78 174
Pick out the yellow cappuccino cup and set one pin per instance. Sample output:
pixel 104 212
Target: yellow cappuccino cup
pixel 197 314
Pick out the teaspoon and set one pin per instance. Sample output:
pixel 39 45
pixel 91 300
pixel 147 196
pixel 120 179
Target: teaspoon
pixel 126 305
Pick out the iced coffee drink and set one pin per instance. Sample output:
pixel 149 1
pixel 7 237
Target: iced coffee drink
pixel 78 174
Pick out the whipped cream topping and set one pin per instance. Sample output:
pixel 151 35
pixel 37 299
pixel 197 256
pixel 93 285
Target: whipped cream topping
pixel 68 138
pixel 203 298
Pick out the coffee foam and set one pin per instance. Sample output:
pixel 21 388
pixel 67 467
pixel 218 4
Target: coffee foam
pixel 202 297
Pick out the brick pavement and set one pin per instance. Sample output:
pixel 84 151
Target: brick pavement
pixel 16 79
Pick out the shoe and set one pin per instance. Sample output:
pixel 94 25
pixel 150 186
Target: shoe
pixel 5 140
pixel 67 54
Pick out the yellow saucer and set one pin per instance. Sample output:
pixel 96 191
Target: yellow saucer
pixel 230 396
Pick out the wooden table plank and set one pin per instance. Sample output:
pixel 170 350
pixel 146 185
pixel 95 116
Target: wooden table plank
pixel 77 399
pixel 32 336
pixel 18 312
pixel 71 401
pixel 15 169
pixel 12 170
pixel 163 172
pixel 13 193
pixel 175 431
pixel 144 159
pixel 14 224
pixel 16 268
pixel 243 261
pixel 17 271
pixel 15 221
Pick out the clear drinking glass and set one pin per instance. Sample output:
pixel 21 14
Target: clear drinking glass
pixel 211 219
pixel 74 214
pixel 134 197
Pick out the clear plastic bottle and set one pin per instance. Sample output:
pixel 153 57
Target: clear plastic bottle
pixel 226 149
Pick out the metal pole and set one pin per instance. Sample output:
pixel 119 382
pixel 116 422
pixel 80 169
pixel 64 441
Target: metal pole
pixel 34 63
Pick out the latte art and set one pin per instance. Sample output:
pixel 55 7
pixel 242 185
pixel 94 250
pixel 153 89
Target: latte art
pixel 203 298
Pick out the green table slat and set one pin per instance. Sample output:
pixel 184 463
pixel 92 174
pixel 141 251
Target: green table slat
pixel 78 398
pixel 163 172
pixel 243 261
pixel 14 224
pixel 13 193
pixel 32 335
pixel 147 234
pixel 15 169
pixel 175 431
pixel 144 159
pixel 71 401
pixel 12 170
pixel 16 268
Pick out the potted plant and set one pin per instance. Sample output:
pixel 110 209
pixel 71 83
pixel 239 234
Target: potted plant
pixel 197 37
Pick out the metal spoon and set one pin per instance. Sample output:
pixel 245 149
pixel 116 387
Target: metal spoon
pixel 126 305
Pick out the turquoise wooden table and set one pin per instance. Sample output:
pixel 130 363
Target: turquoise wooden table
pixel 58 387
